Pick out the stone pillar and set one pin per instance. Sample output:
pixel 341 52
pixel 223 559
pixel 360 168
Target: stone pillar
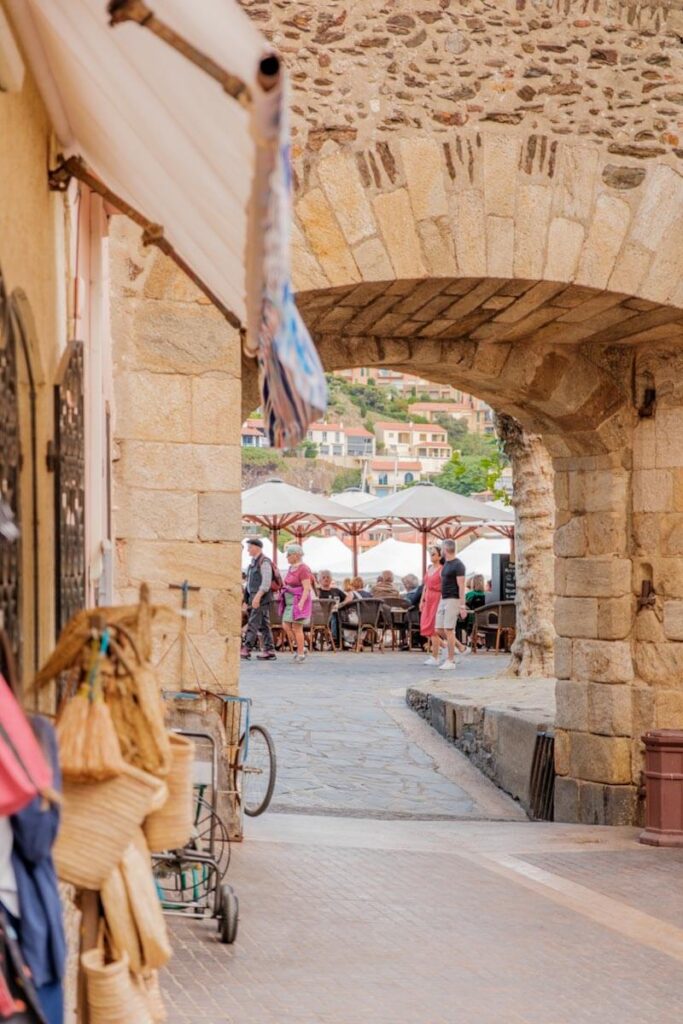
pixel 176 475
pixel 532 475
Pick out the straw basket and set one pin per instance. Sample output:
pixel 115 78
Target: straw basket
pixel 136 870
pixel 113 997
pixel 171 827
pixel 149 984
pixel 120 921
pixel 99 820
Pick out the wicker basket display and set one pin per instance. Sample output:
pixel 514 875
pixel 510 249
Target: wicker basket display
pixel 113 996
pixel 121 925
pixel 143 899
pixel 99 820
pixel 171 827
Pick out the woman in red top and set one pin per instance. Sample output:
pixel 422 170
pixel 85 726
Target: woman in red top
pixel 429 602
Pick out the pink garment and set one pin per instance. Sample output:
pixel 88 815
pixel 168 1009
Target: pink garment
pixel 432 592
pixel 293 584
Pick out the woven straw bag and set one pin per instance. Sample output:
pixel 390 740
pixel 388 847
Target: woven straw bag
pixel 170 827
pixel 99 820
pixel 136 868
pixel 113 996
pixel 149 984
pixel 123 931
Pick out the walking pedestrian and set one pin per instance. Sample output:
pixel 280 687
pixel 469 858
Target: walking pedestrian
pixel 452 604
pixel 258 598
pixel 296 600
pixel 429 603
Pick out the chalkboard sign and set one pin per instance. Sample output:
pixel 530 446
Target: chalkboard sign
pixel 503 579
pixel 509 582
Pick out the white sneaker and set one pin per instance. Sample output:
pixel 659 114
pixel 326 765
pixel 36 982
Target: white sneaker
pixel 468 650
pixel 430 661
pixel 442 657
pixel 448 666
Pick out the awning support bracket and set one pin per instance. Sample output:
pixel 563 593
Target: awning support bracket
pixel 121 11
pixel 153 234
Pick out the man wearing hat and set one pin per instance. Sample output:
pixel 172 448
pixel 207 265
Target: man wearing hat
pixel 258 597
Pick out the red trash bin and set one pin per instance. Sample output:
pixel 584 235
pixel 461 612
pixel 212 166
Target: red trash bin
pixel 663 788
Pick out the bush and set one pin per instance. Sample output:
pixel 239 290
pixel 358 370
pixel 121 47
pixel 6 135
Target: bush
pixel 346 478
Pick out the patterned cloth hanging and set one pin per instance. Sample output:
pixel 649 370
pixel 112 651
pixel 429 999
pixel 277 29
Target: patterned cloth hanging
pixel 293 386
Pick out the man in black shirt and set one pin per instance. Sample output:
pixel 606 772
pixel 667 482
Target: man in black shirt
pixel 452 604
pixel 327 590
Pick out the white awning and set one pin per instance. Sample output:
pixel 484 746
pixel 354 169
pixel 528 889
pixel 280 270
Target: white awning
pixel 157 129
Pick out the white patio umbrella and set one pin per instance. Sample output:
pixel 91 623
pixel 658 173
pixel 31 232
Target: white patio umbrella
pixel 402 558
pixel 431 509
pixel 328 553
pixel 353 497
pixel 280 506
pixel 476 557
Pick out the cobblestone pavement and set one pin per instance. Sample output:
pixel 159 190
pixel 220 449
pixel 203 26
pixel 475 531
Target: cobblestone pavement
pixel 402 916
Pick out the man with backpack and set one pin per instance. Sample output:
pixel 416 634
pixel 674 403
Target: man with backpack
pixel 262 580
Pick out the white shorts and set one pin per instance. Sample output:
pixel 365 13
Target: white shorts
pixel 447 613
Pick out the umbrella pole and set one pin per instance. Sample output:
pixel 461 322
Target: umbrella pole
pixel 424 553
pixel 354 539
pixel 274 539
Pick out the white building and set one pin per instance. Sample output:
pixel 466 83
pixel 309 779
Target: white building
pixel 477 414
pixel 253 434
pixel 340 444
pixel 422 441
pixel 386 475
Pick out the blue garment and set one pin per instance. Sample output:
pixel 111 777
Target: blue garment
pixel 35 829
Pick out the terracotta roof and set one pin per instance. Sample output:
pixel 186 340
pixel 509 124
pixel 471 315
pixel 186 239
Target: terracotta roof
pixel 440 407
pixel 326 426
pixel 388 425
pixel 357 432
pixel 393 464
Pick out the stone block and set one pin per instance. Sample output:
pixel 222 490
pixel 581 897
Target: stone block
pixel 673 620
pixel 644 444
pixel 668 709
pixel 648 626
pixel 667 576
pixel 424 171
pixel 438 247
pixel 605 491
pixel 205 565
pixel 645 532
pixel 216 410
pixel 180 467
pixel 500 245
pixel 596 577
pixel 607 231
pixel 373 261
pixel 326 238
pixel 565 239
pixel 660 664
pixel 566 799
pixel 220 517
pixel 601 804
pixel 531 230
pixel 600 758
pixel 395 218
pixel 659 207
pixel 570 540
pixel 574 197
pixel 165 280
pixel 178 337
pixel 572 705
pixel 677 503
pixel 563 657
pixel 615 617
pixel 609 709
pixel 153 406
pixel 669 438
pixel 671 533
pixel 576 616
pixel 154 515
pixel 306 271
pixel 631 268
pixel 469 229
pixel 514 752
pixel 652 490
pixel 607 534
pixel 562 751
pixel 603 661
pixel 561 485
pixel 501 159
pixel 342 185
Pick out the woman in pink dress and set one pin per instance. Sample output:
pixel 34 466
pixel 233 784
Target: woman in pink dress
pixel 295 601
pixel 429 602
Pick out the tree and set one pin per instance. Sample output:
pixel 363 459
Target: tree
pixel 346 478
pixel 474 471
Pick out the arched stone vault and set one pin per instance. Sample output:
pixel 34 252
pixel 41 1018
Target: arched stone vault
pixel 492 195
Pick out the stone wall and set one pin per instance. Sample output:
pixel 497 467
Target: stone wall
pixel 177 452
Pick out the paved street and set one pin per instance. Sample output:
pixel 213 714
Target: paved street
pixel 394 884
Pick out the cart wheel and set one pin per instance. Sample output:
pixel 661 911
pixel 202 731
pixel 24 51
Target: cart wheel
pixel 256 770
pixel 229 915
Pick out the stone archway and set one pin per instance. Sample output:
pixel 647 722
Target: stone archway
pixel 477 199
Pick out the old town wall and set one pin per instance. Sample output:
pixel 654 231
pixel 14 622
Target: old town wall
pixel 177 457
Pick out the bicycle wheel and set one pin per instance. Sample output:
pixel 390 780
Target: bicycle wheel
pixel 255 777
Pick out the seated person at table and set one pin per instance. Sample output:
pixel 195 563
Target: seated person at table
pixel 474 598
pixel 328 591
pixel 385 586
pixel 413 589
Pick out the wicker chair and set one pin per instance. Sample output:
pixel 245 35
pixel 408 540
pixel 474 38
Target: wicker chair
pixel 363 617
pixel 497 618
pixel 279 636
pixel 319 629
